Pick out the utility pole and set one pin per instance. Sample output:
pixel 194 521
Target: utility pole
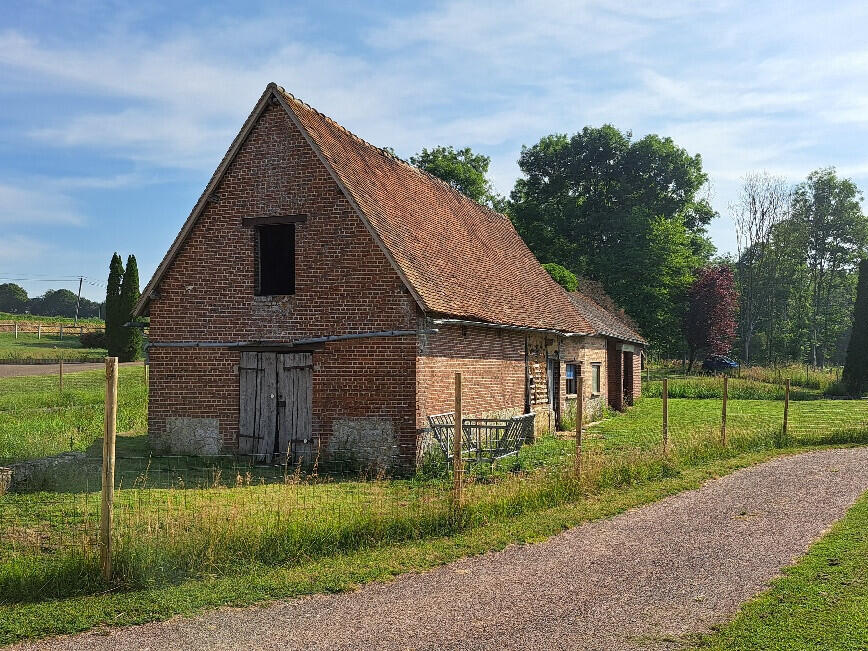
pixel 78 302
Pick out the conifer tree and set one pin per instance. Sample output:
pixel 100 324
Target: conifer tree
pixel 112 305
pixel 130 338
pixel 856 367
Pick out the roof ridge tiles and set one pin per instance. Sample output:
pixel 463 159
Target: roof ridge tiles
pixel 390 155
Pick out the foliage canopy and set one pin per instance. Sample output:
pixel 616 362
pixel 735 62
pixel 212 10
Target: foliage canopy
pixel 623 212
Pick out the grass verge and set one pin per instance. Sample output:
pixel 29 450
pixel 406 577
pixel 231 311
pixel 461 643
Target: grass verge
pixel 820 603
pixel 258 583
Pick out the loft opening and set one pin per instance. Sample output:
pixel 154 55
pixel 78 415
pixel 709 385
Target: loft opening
pixel 275 253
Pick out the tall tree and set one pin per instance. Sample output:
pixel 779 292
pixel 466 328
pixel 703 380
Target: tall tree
pixel 464 170
pixel 827 210
pixel 131 338
pixel 710 322
pixel 596 199
pixel 763 203
pixel 855 374
pixel 13 298
pixel 113 323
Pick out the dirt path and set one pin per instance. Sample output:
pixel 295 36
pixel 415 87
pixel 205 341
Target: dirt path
pixel 633 581
pixel 20 370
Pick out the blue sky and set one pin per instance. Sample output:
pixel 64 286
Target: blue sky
pixel 113 116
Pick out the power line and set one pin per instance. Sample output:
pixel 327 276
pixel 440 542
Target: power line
pixel 71 279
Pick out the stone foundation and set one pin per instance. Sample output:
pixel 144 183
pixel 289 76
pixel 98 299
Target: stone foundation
pixel 49 473
pixel 198 437
pixel 364 443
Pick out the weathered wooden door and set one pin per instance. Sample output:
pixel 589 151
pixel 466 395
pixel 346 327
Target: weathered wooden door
pixel 275 405
pixel 295 405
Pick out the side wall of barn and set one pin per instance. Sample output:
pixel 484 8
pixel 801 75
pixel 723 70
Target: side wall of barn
pixel 502 371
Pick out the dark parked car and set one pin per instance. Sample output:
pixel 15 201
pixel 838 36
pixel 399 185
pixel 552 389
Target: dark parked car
pixel 718 364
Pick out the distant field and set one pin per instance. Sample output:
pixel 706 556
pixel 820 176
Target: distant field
pixel 29 348
pixel 6 316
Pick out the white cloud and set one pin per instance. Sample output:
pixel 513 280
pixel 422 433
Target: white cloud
pixel 20 248
pixel 36 205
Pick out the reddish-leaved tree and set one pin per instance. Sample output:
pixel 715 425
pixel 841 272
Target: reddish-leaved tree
pixel 710 322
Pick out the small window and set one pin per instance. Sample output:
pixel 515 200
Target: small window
pixel 595 378
pixel 276 246
pixel 571 375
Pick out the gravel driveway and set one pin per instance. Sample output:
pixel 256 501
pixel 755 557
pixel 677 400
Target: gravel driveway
pixel 632 581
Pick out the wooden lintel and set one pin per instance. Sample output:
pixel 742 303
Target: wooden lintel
pixel 265 220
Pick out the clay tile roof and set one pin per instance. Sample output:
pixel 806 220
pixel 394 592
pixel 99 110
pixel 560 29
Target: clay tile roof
pixel 603 321
pixel 459 258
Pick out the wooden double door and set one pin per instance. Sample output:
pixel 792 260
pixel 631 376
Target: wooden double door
pixel 275 405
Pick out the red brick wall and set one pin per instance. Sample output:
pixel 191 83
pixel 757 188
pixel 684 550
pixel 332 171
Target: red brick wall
pixel 344 284
pixel 637 374
pixel 615 359
pixel 586 351
pixel 492 367
pixel 492 363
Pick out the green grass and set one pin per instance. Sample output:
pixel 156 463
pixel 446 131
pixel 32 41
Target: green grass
pixel 341 572
pixel 5 317
pixel 37 419
pixel 237 533
pixel 229 518
pixel 798 374
pixel 29 348
pixel 820 603
pixel 690 420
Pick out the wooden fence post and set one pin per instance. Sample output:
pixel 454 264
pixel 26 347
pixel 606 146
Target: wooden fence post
pixel 723 413
pixel 665 416
pixel 457 436
pixel 39 331
pixel 16 329
pixel 786 410
pixel 108 466
pixel 61 332
pixel 580 418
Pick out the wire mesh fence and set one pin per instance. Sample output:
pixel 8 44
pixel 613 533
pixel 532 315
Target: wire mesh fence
pixel 179 517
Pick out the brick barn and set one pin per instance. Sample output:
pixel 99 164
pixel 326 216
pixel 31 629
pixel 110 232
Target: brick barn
pixel 322 293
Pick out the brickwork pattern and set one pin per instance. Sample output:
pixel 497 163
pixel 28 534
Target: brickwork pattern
pixel 585 351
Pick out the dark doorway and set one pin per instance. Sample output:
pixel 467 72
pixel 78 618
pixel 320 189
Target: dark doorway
pixel 628 378
pixel 553 379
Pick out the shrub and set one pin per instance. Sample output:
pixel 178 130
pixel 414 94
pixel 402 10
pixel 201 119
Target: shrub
pixel 94 339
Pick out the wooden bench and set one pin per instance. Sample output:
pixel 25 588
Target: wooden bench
pixel 484 439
